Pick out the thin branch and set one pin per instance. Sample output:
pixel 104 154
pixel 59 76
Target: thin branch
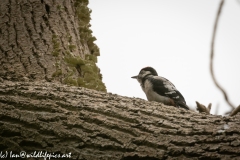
pixel 212 55
pixel 235 111
pixel 203 109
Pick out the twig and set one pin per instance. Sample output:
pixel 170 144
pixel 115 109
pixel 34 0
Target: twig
pixel 212 55
pixel 202 109
pixel 235 111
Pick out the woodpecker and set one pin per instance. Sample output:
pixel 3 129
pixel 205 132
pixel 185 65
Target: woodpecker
pixel 159 89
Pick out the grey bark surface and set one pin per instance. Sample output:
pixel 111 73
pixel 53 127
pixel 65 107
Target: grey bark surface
pixel 37 116
pixel 45 43
pixel 26 38
pixel 48 40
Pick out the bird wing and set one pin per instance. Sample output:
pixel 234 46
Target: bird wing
pixel 165 88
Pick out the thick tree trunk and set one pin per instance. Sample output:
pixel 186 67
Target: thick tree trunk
pixel 50 40
pixel 43 116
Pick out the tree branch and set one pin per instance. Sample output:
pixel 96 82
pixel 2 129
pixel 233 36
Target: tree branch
pixel 91 125
pixel 203 109
pixel 212 55
pixel 235 111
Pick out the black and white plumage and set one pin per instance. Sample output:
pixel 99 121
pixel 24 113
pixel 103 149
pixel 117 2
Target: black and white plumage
pixel 159 89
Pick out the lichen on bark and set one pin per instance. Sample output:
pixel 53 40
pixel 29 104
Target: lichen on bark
pixel 37 36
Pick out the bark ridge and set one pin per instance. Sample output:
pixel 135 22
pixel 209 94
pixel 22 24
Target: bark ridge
pixel 37 116
pixel 48 40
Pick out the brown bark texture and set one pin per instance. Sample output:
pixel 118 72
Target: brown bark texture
pixel 48 40
pixel 38 116
pixel 45 44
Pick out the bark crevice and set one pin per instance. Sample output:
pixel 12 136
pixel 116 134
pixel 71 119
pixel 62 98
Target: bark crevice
pixel 94 125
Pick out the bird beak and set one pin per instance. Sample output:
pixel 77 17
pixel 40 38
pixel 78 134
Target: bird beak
pixel 135 77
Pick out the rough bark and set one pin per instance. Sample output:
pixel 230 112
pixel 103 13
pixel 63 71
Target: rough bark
pixel 48 40
pixel 91 125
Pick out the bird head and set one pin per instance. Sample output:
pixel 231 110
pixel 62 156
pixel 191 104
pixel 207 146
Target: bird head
pixel 145 72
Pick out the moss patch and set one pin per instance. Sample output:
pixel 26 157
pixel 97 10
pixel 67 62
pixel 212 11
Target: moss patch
pixel 57 73
pixel 89 74
pixel 56 51
pixel 83 14
pixel 91 58
pixel 74 61
pixel 56 46
pixel 72 47
pixel 70 81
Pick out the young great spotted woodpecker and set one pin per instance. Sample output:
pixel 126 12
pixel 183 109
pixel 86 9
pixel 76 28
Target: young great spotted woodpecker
pixel 159 89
